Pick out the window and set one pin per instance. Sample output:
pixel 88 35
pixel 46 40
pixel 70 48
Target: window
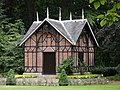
pixel 80 57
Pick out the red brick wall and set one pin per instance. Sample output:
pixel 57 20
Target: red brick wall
pixel 64 53
pixel 30 55
pixel 82 42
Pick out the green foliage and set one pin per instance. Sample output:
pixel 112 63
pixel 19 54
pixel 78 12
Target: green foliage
pixel 67 65
pixel 118 69
pixel 90 1
pixel 82 76
pixel 11 57
pixel 14 9
pixel 26 76
pixel 100 16
pixel 63 80
pixel 111 15
pixel 103 22
pixel 108 54
pixel 106 71
pixel 11 78
pixel 91 17
pixel 103 2
pixel 96 4
pixel 82 67
pixel 114 78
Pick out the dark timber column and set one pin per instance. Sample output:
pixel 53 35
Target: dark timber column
pixel 36 53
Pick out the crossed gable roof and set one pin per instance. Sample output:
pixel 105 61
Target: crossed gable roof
pixel 70 29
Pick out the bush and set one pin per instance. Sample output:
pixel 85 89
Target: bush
pixel 83 67
pixel 83 76
pixel 114 78
pixel 118 69
pixel 11 78
pixel 67 65
pixel 63 80
pixel 106 71
pixel 26 76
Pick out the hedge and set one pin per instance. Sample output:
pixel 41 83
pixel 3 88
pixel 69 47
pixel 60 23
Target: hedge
pixel 25 76
pixel 82 76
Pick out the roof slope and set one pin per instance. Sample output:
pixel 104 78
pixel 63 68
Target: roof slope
pixel 34 25
pixel 70 29
pixel 60 28
pixel 74 28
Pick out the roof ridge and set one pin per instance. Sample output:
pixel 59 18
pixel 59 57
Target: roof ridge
pixel 59 30
pixel 37 21
pixel 73 20
pixel 52 19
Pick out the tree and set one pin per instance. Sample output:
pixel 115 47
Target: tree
pixel 11 57
pixel 11 80
pixel 109 52
pixel 14 9
pixel 111 15
pixel 63 80
pixel 10 34
pixel 118 69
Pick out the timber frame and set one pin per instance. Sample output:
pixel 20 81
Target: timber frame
pixel 47 39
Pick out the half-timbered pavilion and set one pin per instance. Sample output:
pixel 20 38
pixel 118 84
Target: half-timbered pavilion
pixel 49 42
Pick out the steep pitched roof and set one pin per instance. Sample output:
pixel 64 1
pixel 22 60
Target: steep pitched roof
pixel 70 29
pixel 74 28
pixel 32 28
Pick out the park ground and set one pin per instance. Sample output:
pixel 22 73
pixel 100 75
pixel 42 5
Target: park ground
pixel 111 86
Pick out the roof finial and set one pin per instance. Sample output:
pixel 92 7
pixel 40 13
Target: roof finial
pixel 70 16
pixel 37 16
pixel 59 14
pixel 82 13
pixel 47 13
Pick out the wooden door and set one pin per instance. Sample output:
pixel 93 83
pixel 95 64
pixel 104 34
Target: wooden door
pixel 49 63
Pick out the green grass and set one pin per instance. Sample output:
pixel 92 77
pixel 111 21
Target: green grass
pixel 88 87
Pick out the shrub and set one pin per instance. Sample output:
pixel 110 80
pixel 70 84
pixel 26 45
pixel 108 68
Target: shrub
pixel 67 65
pixel 82 76
pixel 63 80
pixel 82 67
pixel 114 78
pixel 11 78
pixel 26 76
pixel 106 71
pixel 118 69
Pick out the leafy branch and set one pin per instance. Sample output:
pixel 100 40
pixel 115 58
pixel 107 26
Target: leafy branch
pixel 111 15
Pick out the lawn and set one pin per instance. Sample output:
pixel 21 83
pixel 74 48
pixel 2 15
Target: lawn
pixel 88 87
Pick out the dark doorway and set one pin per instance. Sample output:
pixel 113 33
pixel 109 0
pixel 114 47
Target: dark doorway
pixel 49 63
pixel 80 58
